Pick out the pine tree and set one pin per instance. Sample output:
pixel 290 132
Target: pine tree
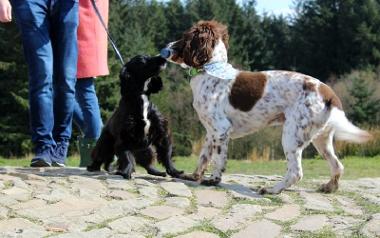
pixel 365 108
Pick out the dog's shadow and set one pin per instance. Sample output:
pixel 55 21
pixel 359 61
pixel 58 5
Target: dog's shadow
pixel 237 190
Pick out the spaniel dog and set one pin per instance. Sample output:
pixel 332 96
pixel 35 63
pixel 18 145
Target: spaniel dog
pixel 232 103
pixel 136 128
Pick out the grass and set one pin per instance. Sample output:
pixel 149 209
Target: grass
pixel 355 167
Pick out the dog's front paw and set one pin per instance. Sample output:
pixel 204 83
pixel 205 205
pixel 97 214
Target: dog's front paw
pixel 124 175
pixel 175 173
pixel 190 177
pixel 92 168
pixel 328 188
pixel 211 181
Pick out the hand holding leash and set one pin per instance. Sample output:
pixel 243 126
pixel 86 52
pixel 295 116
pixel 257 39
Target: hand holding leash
pixel 5 11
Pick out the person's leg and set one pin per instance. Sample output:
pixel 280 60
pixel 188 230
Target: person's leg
pixel 89 106
pixel 64 20
pixel 78 118
pixel 32 19
pixel 88 118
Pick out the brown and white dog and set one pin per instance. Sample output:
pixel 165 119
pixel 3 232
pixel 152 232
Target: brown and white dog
pixel 232 103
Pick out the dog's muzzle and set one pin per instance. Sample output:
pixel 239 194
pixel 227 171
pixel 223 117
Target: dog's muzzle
pixel 166 53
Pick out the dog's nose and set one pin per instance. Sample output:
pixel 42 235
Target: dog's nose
pixel 166 53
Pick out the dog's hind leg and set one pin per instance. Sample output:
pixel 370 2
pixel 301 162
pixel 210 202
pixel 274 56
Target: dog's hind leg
pixel 103 151
pixel 164 156
pixel 293 142
pixel 325 147
pixel 163 143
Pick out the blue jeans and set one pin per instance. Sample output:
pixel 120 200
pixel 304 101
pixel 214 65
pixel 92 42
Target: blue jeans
pixel 86 109
pixel 49 36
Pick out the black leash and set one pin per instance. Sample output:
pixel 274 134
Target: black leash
pixel 108 33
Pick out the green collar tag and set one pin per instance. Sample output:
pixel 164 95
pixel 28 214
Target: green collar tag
pixel 194 72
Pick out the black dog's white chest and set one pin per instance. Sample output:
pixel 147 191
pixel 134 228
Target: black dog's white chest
pixel 146 105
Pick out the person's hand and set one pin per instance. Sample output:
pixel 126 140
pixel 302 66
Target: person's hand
pixel 5 11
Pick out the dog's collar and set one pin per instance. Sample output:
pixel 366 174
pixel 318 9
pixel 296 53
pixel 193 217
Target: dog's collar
pixel 194 72
pixel 222 70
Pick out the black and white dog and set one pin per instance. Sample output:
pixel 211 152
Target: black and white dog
pixel 136 128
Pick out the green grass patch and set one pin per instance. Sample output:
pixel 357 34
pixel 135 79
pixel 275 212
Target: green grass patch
pixel 72 161
pixel 355 167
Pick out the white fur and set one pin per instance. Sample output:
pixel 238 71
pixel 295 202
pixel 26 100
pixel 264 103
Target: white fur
pixel 145 113
pixel 308 120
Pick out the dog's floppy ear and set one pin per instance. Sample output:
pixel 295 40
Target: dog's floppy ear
pixel 124 75
pixel 155 85
pixel 200 40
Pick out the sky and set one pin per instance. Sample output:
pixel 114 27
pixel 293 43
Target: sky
pixel 274 6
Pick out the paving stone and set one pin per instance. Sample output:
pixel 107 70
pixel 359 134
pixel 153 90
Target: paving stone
pixel 120 184
pixel 26 176
pixel 98 233
pixel 17 193
pixel 57 227
pixel 34 203
pixel 13 181
pixel 129 224
pixel 211 198
pixel 55 195
pixel 108 212
pixel 241 192
pixel 133 204
pixel 179 202
pixel 120 195
pixel 316 201
pixel 7 201
pixel 375 199
pixel 203 213
pixel 70 207
pixel 259 229
pixel 285 198
pixel 21 228
pixel 310 223
pixel 161 212
pixel 143 182
pixel 73 224
pixel 372 227
pixel 237 218
pixel 285 213
pixel 150 192
pixel 344 225
pixel 3 212
pixel 88 188
pixel 198 234
pixel 129 235
pixel 175 224
pixel 348 205
pixel 176 189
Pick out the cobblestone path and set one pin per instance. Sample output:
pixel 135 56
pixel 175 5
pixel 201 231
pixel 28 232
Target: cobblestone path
pixel 74 203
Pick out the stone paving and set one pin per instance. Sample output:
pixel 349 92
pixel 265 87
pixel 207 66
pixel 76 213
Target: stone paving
pixel 71 202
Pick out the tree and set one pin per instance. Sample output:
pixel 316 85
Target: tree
pixel 365 108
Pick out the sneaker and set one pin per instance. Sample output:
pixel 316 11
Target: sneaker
pixel 43 157
pixel 60 154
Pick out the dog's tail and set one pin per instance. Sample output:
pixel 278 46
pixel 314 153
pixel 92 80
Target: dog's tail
pixel 345 130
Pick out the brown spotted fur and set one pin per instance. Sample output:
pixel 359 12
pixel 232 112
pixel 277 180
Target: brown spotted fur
pixel 329 97
pixel 247 89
